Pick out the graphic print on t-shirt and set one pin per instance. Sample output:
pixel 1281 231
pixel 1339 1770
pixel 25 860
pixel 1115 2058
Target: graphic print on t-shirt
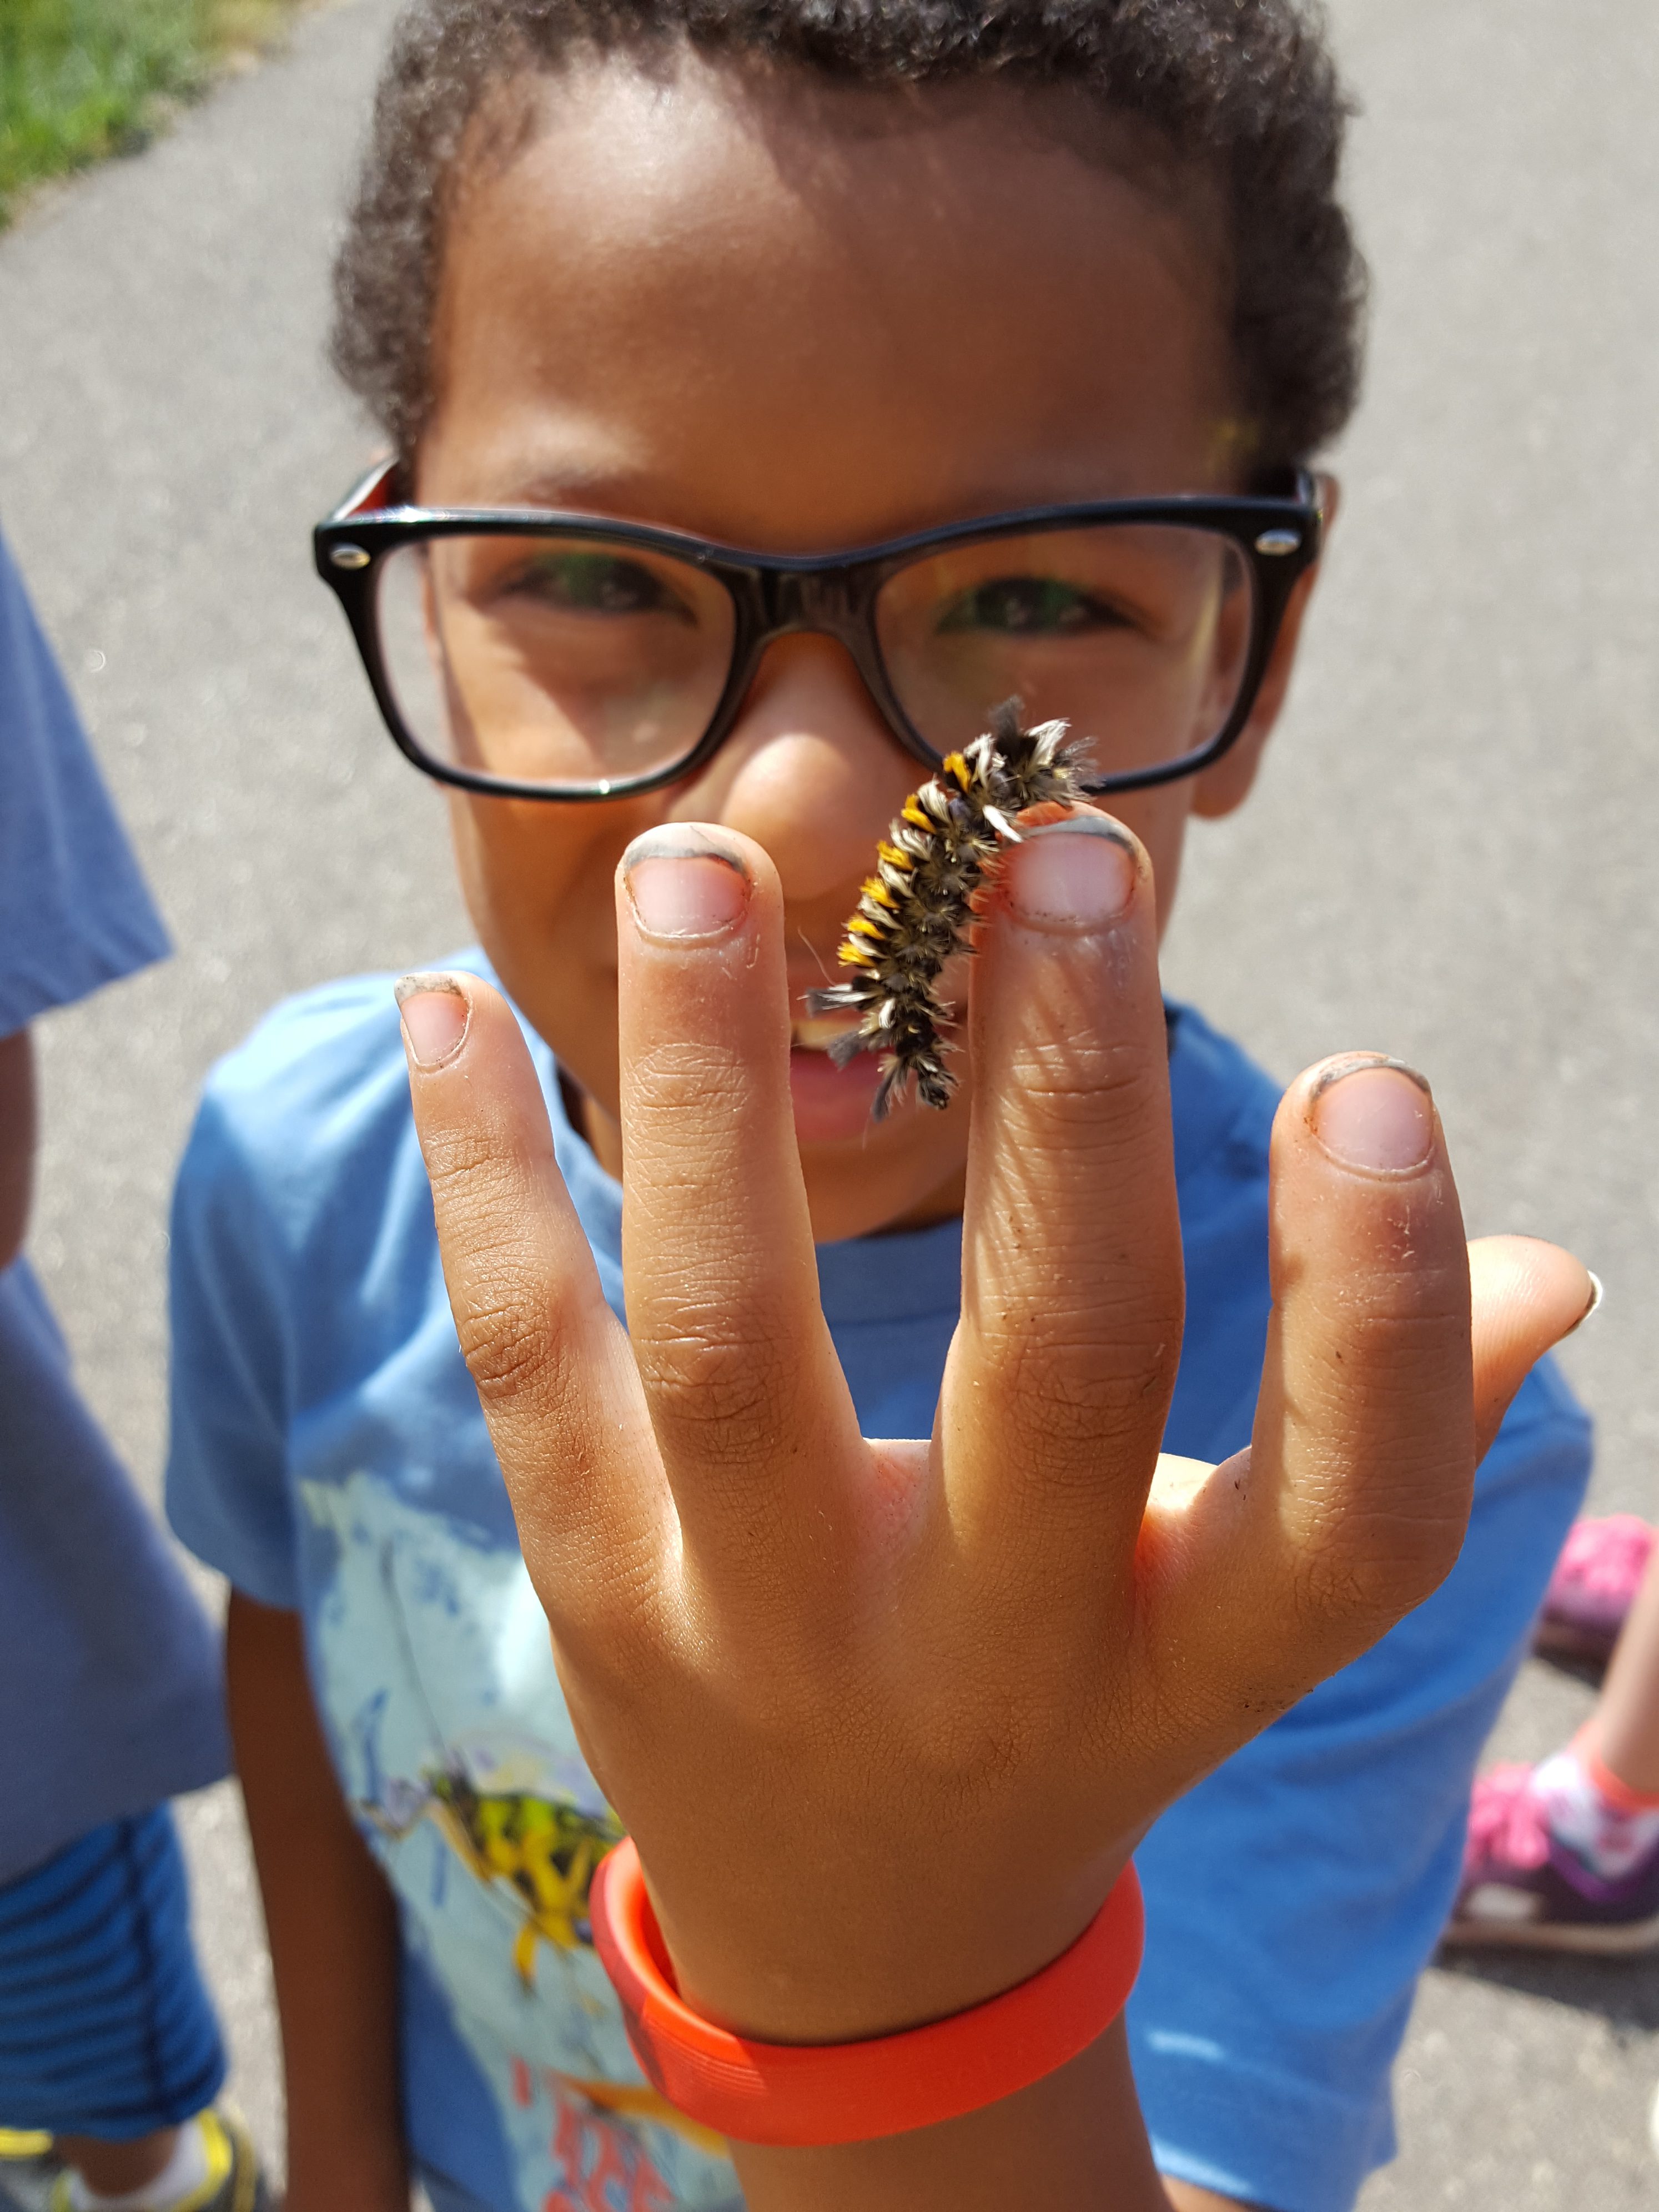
pixel 434 1666
pixel 487 1801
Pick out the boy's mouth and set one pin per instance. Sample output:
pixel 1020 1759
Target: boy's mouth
pixel 832 1104
pixel 817 1032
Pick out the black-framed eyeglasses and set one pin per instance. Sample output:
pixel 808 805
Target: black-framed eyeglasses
pixel 541 655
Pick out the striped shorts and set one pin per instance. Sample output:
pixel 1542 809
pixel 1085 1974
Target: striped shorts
pixel 105 2026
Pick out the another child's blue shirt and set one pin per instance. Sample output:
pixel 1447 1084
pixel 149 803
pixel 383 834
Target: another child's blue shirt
pixel 111 1697
pixel 74 911
pixel 329 1456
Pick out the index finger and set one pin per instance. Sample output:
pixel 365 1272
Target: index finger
pixel 747 1397
pixel 551 1365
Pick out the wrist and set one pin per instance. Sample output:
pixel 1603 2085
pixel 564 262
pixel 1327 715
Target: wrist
pixel 803 2093
pixel 1072 2142
pixel 792 1971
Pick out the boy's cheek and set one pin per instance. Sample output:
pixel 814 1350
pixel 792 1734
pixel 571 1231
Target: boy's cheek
pixel 537 879
pixel 1159 819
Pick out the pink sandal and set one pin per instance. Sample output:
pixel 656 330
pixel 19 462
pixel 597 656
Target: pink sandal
pixel 1595 1582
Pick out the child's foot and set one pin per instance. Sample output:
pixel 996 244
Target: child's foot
pixel 1553 1864
pixel 1597 1577
pixel 214 2168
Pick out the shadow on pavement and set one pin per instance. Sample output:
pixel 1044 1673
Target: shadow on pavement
pixel 1590 1672
pixel 1625 1992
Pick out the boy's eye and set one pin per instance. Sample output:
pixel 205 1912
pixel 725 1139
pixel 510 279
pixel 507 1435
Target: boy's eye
pixel 595 583
pixel 1039 607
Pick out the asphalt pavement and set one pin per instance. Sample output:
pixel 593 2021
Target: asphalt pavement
pixel 1451 856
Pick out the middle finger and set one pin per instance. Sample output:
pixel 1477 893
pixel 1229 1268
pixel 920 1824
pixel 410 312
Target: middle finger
pixel 1060 1378
pixel 751 1412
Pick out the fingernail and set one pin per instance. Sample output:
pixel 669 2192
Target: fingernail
pixel 683 886
pixel 1597 1293
pixel 1376 1114
pixel 1073 875
pixel 435 1014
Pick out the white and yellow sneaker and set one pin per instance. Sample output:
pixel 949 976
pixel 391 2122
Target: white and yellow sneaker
pixel 222 2168
pixel 28 2170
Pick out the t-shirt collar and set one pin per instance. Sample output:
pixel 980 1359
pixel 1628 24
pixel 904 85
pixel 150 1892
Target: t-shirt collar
pixel 898 1275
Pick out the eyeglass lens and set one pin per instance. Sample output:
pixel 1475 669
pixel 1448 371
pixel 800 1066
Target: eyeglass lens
pixel 576 663
pixel 552 660
pixel 1138 635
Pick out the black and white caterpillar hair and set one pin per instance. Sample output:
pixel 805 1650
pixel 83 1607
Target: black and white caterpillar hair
pixel 914 912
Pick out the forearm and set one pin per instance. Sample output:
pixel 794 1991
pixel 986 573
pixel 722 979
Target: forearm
pixel 332 1927
pixel 17 1129
pixel 1073 2142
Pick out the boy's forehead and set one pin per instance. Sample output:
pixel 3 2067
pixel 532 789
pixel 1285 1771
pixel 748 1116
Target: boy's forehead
pixel 792 314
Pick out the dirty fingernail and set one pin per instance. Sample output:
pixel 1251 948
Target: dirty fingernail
pixel 1075 875
pixel 684 887
pixel 435 1014
pixel 1374 1114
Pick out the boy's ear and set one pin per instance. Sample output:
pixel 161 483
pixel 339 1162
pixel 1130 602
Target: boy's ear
pixel 1226 785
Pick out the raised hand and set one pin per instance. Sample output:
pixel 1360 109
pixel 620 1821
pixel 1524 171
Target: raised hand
pixel 886 1718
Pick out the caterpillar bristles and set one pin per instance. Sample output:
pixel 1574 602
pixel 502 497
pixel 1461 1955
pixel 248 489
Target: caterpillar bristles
pixel 914 912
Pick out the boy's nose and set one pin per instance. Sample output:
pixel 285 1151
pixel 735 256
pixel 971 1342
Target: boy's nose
pixel 811 772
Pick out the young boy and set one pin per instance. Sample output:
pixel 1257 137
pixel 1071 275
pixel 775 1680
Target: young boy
pixel 932 281
pixel 111 1699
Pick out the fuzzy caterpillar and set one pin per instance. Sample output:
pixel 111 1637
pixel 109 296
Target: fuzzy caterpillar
pixel 914 912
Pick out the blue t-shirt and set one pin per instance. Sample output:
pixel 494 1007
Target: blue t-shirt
pixel 110 1693
pixel 329 1455
pixel 74 911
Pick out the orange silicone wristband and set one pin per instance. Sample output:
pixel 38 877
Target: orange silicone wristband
pixel 805 2095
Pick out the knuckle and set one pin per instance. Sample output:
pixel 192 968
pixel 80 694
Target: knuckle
pixel 1372 1564
pixel 473 1190
pixel 1421 1297
pixel 503 1345
pixel 502 1328
pixel 717 1372
pixel 460 1153
pixel 615 1633
pixel 1081 1082
pixel 1078 1377
pixel 1064 1407
pixel 1370 1585
pixel 692 1082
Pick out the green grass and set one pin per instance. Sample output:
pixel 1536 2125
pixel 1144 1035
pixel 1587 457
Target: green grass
pixel 80 79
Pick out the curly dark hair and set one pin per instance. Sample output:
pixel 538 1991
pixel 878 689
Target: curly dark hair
pixel 1244 93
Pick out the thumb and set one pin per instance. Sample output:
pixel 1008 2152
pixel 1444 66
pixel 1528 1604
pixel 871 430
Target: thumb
pixel 1524 1296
